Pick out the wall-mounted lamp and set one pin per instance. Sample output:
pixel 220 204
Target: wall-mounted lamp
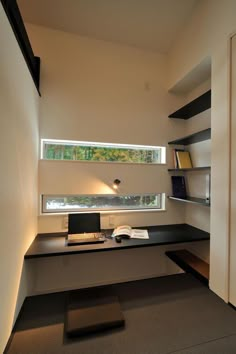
pixel 116 183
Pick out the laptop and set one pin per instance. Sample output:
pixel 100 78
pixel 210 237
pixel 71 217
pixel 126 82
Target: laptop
pixel 84 229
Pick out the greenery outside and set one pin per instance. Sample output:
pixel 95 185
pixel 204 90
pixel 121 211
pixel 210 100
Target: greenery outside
pixel 103 154
pixel 101 202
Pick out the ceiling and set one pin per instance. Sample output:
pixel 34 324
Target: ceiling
pixel 147 24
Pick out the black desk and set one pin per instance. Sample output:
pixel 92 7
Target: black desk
pixel 53 244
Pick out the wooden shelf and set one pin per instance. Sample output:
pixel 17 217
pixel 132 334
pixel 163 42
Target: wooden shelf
pixel 189 169
pixel 194 107
pixel 193 138
pixel 191 200
pixel 191 264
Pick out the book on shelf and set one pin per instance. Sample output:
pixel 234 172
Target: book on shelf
pixel 182 159
pixel 178 187
pixel 175 160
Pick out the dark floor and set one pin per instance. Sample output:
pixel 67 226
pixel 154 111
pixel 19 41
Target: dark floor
pixel 174 314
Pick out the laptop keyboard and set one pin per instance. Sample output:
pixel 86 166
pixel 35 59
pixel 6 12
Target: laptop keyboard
pixel 85 236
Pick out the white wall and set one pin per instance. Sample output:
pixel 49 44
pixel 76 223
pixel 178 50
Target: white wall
pixel 99 91
pixel 207 34
pixel 88 85
pixel 18 177
pixel 197 182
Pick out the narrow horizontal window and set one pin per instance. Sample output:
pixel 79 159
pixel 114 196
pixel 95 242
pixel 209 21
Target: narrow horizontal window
pixel 101 152
pixel 100 202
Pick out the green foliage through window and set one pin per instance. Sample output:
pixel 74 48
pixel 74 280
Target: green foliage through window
pixel 100 152
pixel 52 204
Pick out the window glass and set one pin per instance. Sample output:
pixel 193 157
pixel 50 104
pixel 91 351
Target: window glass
pixel 101 152
pixel 64 203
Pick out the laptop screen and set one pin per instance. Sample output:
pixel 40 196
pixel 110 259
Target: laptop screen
pixel 79 223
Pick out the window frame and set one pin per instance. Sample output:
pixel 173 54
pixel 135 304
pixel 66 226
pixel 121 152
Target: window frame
pixel 46 211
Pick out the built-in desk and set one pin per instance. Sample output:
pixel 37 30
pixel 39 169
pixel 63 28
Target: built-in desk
pixel 54 244
pixel 95 267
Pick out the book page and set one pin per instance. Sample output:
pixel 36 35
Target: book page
pixel 140 234
pixel 122 230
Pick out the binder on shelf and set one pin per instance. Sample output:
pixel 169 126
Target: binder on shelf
pixel 178 187
pixel 184 160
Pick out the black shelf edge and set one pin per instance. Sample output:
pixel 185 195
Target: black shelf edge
pixel 191 264
pixel 198 105
pixel 191 200
pixel 15 19
pixel 189 169
pixel 193 138
pixel 54 244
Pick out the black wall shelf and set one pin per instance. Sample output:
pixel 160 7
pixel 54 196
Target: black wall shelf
pixel 194 107
pixel 193 138
pixel 33 62
pixel 192 200
pixel 191 264
pixel 189 169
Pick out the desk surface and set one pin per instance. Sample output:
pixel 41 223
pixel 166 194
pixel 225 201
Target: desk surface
pixel 53 244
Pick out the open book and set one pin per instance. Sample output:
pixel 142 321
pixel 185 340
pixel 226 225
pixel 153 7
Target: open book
pixel 127 232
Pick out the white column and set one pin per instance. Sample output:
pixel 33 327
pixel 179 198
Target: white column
pixel 232 258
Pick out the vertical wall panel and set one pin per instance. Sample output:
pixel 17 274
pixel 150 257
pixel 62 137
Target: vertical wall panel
pixel 18 177
pixel 232 275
